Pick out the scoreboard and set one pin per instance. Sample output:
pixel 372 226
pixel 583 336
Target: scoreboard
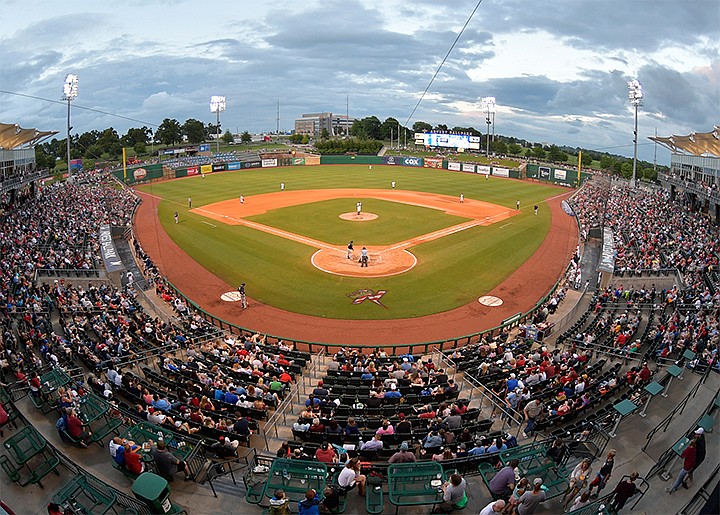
pixel 435 139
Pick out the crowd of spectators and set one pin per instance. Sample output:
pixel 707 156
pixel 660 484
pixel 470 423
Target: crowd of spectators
pixel 654 233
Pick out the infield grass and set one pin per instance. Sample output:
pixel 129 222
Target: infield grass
pixel 451 271
pixel 396 222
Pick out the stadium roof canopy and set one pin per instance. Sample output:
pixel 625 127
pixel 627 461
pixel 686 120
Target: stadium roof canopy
pixel 13 136
pixel 696 143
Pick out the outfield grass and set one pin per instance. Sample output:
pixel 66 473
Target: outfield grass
pixel 451 271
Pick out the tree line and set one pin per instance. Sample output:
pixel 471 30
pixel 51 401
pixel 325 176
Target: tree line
pixel 367 136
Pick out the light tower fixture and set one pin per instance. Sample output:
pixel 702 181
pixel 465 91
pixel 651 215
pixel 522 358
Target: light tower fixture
pixel 217 104
pixel 488 105
pixel 635 96
pixel 70 91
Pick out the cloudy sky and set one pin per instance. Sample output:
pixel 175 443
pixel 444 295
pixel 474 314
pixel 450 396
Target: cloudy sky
pixel 558 68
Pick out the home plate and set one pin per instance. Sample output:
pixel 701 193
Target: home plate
pixel 231 296
pixel 489 300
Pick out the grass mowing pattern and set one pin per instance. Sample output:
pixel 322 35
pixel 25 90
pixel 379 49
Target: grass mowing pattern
pixel 451 271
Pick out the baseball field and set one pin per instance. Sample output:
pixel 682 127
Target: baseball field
pixel 428 252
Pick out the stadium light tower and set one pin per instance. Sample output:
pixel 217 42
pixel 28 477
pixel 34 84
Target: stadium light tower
pixel 70 91
pixel 488 105
pixel 635 95
pixel 217 104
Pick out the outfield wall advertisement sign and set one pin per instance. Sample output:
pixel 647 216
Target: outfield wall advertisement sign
pixel 234 166
pixel 412 161
pixel 192 170
pixel 204 148
pixel 218 167
pixel 544 173
pixel 205 169
pixel 454 166
pixel 298 161
pixel 485 170
pixel 269 163
pixel 560 175
pixel 392 160
pixel 501 172
pixel 252 164
pixel 466 167
pixel 433 162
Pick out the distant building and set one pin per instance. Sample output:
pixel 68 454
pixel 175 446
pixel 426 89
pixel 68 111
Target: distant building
pixel 312 124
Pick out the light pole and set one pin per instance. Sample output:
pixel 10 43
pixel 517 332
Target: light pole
pixel 635 95
pixel 70 91
pixel 488 105
pixel 217 104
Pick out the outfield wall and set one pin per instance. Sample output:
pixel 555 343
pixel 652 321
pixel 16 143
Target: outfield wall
pixel 137 174
pixel 565 176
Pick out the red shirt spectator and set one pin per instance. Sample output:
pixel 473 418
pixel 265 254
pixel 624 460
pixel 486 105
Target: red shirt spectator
pixel 133 460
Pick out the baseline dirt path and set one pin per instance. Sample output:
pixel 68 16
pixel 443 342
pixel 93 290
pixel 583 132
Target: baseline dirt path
pixel 385 260
pixel 519 292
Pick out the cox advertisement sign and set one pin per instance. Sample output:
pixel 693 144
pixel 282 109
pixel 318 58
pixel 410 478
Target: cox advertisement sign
pixel 268 163
pixel 412 161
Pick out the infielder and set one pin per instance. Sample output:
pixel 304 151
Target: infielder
pixel 350 250
pixel 462 198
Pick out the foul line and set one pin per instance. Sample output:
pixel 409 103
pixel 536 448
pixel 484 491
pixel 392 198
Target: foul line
pixel 212 225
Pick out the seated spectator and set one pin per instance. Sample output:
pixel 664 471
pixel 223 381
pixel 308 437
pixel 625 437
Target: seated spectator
pixel 279 504
pixel 352 428
pixel 317 426
pixel 350 477
pixel 326 454
pixel 117 451
pixel 309 505
pixel 385 429
pixel 404 426
pixel 446 454
pixel 403 455
pixel 330 502
pixel 168 465
pixel 158 418
pixel 333 428
pixel 77 429
pixel 224 447
pixel 375 444
pixel 432 440
pixel 133 460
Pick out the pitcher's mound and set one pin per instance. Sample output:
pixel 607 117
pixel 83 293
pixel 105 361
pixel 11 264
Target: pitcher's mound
pixel 363 217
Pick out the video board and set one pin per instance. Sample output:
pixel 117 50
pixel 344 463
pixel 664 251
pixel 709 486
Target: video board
pixel 435 139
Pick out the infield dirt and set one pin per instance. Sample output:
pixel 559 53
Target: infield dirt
pixel 519 291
